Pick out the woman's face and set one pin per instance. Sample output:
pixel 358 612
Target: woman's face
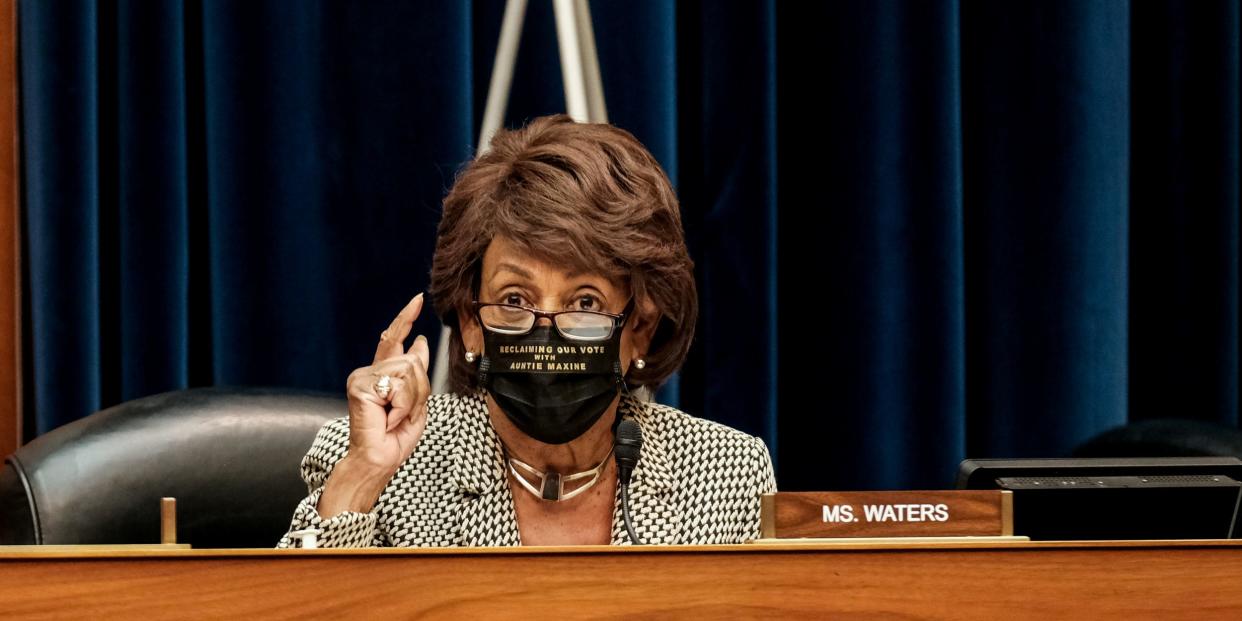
pixel 512 276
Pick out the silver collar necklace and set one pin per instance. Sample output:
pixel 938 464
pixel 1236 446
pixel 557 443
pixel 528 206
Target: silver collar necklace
pixel 551 483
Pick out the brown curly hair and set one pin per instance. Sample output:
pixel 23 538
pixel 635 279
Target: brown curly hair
pixel 587 195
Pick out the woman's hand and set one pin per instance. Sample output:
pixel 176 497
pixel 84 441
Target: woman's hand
pixel 382 431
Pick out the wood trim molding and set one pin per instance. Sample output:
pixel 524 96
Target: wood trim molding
pixel 1100 580
pixel 10 238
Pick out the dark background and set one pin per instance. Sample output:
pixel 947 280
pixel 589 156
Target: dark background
pixel 923 230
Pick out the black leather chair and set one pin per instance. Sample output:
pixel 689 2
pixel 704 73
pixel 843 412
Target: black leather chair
pixel 229 456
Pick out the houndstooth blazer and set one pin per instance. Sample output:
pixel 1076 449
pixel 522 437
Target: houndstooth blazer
pixel 696 482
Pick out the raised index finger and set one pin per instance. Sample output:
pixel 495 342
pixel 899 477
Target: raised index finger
pixel 392 341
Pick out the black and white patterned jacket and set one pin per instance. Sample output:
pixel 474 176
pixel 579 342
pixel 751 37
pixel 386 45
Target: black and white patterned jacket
pixel 697 482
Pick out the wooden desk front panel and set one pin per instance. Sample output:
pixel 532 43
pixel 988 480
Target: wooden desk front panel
pixel 1011 582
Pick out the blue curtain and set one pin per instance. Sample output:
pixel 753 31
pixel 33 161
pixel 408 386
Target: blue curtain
pixel 922 231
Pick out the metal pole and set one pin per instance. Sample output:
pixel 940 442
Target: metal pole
pixel 571 60
pixel 592 81
pixel 502 72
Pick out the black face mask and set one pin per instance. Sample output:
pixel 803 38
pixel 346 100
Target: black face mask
pixel 552 388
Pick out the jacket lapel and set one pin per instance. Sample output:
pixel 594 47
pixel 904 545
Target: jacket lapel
pixel 652 511
pixel 487 516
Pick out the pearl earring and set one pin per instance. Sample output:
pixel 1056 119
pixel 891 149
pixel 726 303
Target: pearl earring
pixel 470 356
pixel 640 364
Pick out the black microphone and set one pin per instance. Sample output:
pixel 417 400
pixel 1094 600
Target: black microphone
pixel 628 447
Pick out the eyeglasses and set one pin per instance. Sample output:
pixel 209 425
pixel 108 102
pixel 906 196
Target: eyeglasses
pixel 575 325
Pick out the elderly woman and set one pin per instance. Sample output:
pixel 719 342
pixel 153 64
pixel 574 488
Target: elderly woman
pixel 561 269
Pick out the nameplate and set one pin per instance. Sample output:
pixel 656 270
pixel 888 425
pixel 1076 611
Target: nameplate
pixel 959 513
